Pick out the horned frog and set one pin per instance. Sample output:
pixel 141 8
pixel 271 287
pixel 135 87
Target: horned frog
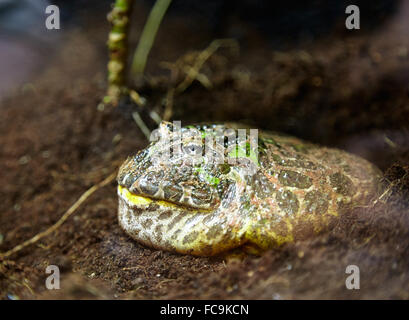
pixel 290 190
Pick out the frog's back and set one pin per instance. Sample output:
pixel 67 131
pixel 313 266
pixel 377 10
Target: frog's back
pixel 301 187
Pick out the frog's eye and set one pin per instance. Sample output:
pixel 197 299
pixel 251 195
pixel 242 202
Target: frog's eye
pixel 201 195
pixel 149 183
pixel 192 149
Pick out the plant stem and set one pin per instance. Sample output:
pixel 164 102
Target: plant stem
pixel 117 43
pixel 148 36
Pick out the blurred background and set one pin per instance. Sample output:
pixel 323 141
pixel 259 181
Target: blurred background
pixel 26 45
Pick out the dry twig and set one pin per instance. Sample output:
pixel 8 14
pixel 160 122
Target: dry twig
pixel 193 73
pixel 64 217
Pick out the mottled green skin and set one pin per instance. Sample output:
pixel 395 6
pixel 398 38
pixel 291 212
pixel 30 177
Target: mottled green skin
pixel 202 208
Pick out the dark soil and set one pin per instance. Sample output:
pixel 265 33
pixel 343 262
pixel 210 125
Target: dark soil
pixel 344 91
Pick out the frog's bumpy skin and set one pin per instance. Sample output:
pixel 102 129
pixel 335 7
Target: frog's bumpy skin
pixel 205 208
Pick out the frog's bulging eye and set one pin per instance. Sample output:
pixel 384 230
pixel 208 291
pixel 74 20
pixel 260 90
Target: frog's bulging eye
pixel 149 184
pixel 172 192
pixel 201 195
pixel 193 149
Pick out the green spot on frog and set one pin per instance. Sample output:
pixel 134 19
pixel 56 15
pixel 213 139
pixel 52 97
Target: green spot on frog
pixel 224 168
pixel 240 151
pixel 212 180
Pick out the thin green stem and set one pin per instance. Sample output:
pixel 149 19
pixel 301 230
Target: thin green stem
pixel 148 36
pixel 117 43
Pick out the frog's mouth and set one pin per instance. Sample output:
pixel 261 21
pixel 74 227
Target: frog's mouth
pixel 142 201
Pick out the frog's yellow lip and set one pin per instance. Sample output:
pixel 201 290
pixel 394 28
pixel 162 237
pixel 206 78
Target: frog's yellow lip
pixel 133 198
pixel 144 201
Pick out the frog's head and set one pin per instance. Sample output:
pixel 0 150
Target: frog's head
pixel 194 168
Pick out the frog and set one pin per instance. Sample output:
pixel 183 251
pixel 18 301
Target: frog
pixel 214 190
